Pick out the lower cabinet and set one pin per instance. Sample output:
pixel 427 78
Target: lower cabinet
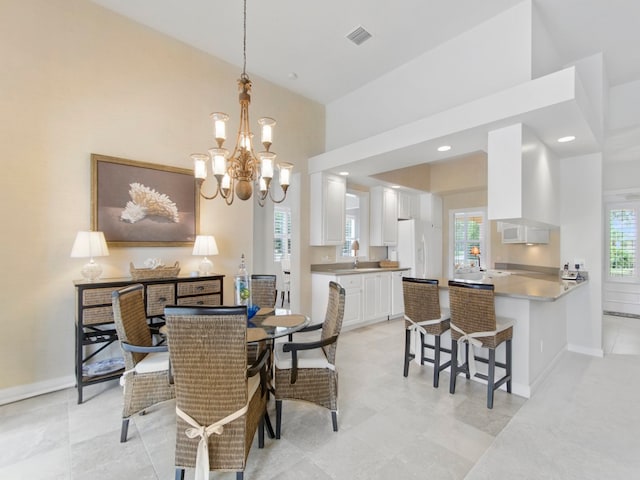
pixel 368 297
pixel 377 296
pixel 397 297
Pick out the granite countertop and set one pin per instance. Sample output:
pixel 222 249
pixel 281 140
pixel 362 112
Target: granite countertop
pixel 358 271
pixel 525 284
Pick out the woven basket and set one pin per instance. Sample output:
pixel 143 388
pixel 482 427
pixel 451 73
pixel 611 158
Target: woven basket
pixel 389 264
pixel 158 272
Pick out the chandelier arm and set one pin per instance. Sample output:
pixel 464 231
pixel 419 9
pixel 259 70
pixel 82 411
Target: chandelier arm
pixel 277 201
pixel 207 197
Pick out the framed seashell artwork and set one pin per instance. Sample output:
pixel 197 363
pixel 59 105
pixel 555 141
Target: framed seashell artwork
pixel 143 204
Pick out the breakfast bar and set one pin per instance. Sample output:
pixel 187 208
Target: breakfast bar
pixel 546 312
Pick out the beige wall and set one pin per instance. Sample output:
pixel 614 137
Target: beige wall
pixel 545 255
pixel 79 79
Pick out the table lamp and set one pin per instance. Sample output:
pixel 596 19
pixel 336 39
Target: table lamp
pixel 205 245
pixel 89 245
pixel 355 246
pixel 476 251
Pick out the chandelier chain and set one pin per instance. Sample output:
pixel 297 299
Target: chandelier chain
pixel 244 42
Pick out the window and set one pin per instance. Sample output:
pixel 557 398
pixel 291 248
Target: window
pixel 468 232
pixel 352 226
pixel 281 233
pixel 623 240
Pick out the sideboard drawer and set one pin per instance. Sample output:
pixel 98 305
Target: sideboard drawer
pixel 92 316
pixel 158 296
pixel 97 296
pixel 199 288
pixel 200 300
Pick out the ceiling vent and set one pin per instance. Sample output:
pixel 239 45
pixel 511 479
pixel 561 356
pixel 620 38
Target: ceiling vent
pixel 359 35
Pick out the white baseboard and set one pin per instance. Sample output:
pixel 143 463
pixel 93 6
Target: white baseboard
pixel 594 352
pixel 14 394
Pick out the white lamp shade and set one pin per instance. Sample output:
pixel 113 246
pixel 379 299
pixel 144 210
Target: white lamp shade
pixel 205 245
pixel 89 245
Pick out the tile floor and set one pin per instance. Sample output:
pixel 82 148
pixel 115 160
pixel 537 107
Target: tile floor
pixel 581 424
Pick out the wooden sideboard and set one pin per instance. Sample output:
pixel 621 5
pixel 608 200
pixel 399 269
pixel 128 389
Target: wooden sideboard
pixel 94 314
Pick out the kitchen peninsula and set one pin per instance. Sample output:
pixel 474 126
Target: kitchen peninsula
pixel 546 311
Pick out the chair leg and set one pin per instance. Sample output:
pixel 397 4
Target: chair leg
pixel 261 433
pixel 267 422
pixel 436 362
pixel 239 475
pixel 491 375
pixel 124 430
pixel 407 351
pixel 278 418
pixel 334 420
pixel 289 297
pixel 454 366
pixel 466 351
pixel 421 348
pixel 508 364
pixel 179 473
pixel 282 299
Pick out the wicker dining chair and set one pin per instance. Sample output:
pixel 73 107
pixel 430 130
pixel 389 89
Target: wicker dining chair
pixel 220 403
pixel 285 270
pixel 307 371
pixel 263 290
pixel 423 317
pixel 146 379
pixel 473 321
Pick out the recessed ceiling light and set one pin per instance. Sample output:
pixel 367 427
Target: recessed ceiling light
pixel 444 148
pixel 568 138
pixel 344 174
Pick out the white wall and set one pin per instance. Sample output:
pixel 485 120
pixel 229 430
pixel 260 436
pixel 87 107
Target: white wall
pixel 581 236
pixel 80 79
pixel 623 105
pixel 486 59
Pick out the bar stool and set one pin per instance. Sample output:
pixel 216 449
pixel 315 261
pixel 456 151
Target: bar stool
pixel 473 322
pixel 422 314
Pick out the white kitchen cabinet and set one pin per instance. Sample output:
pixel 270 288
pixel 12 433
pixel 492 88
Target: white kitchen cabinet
pixel 406 206
pixel 368 297
pixel 327 202
pixel 383 225
pixel 397 297
pixel 523 234
pixel 352 285
pixel 377 296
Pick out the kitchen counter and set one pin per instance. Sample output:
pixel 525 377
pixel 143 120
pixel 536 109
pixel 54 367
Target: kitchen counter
pixel 526 285
pixel 356 271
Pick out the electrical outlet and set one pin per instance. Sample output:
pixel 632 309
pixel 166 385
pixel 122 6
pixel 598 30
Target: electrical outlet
pixel 578 261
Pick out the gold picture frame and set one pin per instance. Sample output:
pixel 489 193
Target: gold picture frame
pixel 140 204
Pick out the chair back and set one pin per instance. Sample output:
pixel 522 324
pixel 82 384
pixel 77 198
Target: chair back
pixel 130 319
pixel 208 354
pixel 421 299
pixel 472 307
pixel 333 319
pixel 263 290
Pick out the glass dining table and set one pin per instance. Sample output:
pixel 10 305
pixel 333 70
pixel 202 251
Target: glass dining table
pixel 269 324
pixel 272 323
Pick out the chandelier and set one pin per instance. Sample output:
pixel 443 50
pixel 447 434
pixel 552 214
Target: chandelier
pixel 237 173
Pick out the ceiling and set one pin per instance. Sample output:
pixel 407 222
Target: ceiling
pixel 302 46
pixel 286 37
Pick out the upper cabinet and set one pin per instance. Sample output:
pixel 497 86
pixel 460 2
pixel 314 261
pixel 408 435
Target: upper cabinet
pixel 522 234
pixel 407 206
pixel 384 217
pixel 327 201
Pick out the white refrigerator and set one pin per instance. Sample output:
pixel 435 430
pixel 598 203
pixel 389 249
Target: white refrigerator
pixel 419 248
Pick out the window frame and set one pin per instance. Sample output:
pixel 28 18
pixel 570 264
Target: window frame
pixel 484 236
pixel 621 205
pixel 285 237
